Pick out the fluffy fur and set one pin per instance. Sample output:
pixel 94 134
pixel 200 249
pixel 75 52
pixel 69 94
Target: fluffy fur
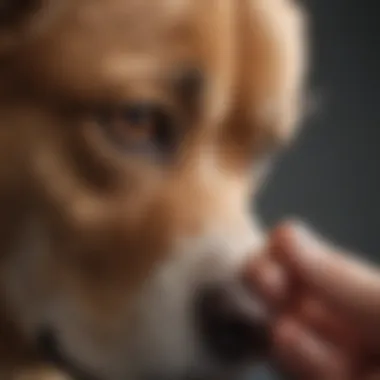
pixel 110 246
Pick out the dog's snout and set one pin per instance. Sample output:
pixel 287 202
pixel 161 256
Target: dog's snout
pixel 230 332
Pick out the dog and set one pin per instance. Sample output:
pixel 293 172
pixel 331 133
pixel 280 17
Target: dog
pixel 133 135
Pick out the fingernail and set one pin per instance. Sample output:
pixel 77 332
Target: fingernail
pixel 295 238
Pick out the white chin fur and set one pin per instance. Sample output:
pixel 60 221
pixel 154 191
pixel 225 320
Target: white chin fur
pixel 164 340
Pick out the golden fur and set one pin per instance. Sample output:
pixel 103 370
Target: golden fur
pixel 100 220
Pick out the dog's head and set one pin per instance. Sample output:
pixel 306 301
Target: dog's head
pixel 133 133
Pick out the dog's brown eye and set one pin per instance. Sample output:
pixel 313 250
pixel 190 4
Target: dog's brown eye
pixel 138 128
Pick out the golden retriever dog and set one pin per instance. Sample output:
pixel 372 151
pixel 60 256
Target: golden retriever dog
pixel 133 135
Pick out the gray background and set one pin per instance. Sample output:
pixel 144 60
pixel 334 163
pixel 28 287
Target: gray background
pixel 330 176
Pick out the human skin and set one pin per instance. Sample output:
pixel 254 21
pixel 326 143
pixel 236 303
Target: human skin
pixel 325 306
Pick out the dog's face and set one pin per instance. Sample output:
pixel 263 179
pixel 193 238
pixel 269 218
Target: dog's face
pixel 138 130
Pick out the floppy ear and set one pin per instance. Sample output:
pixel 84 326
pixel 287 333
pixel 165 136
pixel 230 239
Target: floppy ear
pixel 283 45
pixel 14 11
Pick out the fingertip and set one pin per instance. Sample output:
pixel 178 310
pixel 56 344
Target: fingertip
pixel 297 247
pixel 282 239
pixel 268 279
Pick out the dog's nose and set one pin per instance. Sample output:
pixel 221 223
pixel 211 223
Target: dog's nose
pixel 231 333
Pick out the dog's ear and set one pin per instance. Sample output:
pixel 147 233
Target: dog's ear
pixel 15 11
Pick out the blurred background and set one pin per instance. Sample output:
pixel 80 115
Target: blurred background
pixel 330 178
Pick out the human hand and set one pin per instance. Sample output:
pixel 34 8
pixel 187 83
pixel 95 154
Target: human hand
pixel 325 307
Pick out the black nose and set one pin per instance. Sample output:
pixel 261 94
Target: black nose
pixel 230 333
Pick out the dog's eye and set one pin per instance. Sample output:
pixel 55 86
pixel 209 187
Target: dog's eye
pixel 138 128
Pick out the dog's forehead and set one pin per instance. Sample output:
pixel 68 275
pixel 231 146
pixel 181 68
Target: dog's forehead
pixel 106 45
pixel 139 22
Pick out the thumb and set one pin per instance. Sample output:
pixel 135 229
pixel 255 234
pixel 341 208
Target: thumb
pixel 333 276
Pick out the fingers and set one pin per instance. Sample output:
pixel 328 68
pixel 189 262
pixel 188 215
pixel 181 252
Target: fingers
pixel 326 305
pixel 301 353
pixel 310 341
pixel 340 280
pixel 328 324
